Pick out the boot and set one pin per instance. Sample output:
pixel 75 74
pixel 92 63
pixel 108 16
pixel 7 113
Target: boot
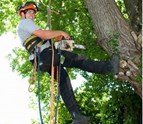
pixel 80 119
pixel 115 64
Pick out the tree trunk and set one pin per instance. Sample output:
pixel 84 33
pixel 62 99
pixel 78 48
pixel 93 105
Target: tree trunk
pixel 108 20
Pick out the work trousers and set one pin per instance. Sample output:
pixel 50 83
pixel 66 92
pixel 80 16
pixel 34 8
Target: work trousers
pixel 71 60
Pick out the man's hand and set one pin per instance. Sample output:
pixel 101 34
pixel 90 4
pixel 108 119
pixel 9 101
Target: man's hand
pixel 65 35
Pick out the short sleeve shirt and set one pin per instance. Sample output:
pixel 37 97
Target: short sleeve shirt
pixel 25 29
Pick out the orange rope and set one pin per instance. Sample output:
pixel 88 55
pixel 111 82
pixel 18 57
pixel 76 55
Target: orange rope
pixel 52 90
pixel 52 70
pixel 32 80
pixel 52 107
pixel 49 15
pixel 57 86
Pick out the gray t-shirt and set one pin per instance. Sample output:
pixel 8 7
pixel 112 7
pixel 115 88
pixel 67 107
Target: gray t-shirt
pixel 25 29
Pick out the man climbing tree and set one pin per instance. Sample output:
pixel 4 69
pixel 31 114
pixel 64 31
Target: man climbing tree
pixel 35 39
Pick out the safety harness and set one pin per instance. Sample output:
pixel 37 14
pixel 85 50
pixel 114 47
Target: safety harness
pixel 31 42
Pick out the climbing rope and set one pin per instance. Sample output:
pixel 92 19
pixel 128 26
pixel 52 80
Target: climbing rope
pixel 32 80
pixel 49 15
pixel 53 113
pixel 39 103
pixel 52 90
pixel 52 69
pixel 58 83
pixel 57 92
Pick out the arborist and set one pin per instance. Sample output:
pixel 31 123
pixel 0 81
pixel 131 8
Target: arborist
pixel 34 38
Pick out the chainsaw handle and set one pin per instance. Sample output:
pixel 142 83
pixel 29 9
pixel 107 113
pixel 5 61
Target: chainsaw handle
pixel 59 38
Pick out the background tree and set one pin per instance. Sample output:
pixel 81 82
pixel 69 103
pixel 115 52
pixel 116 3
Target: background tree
pixel 116 27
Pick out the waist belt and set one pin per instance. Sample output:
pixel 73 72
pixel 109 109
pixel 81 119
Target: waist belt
pixel 42 47
pixel 31 42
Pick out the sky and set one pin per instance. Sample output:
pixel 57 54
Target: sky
pixel 14 94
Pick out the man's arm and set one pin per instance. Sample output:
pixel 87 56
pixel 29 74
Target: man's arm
pixel 47 34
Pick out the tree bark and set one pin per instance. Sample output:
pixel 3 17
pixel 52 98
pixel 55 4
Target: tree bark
pixel 108 20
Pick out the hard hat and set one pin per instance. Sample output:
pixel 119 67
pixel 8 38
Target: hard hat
pixel 27 6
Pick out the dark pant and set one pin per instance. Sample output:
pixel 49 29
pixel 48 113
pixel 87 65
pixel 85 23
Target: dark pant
pixel 71 60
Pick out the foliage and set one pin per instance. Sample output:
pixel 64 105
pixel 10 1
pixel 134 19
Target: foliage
pixel 121 5
pixel 107 101
pixel 19 60
pixel 113 43
pixel 111 101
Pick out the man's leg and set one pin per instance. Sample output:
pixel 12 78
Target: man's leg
pixel 66 89
pixel 68 97
pixel 100 67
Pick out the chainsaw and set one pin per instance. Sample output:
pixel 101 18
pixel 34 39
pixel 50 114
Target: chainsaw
pixel 67 45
